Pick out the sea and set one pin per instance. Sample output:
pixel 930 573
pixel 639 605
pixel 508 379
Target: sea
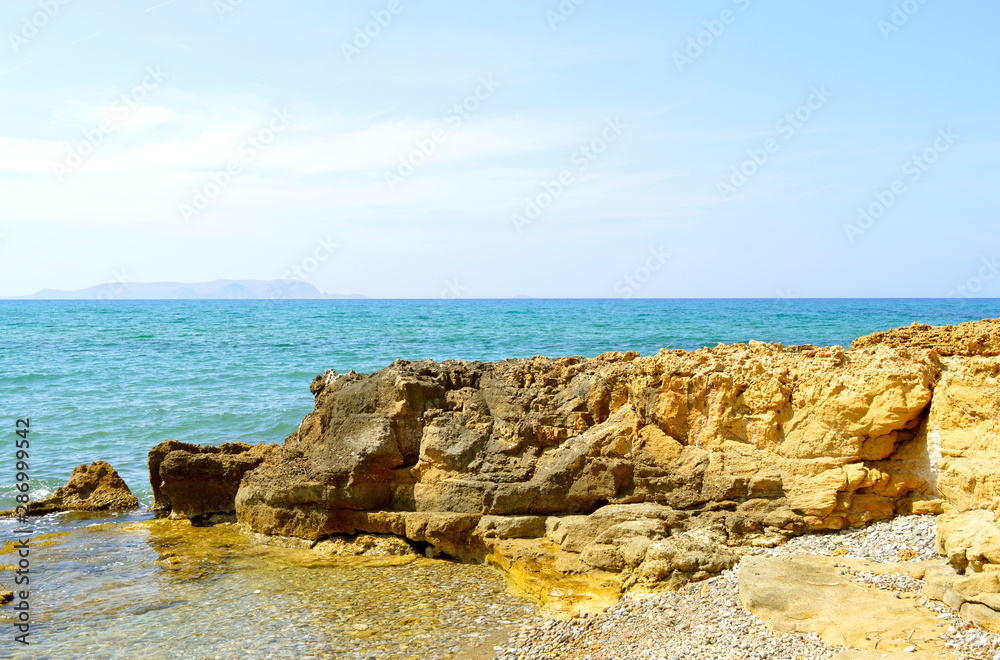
pixel 109 379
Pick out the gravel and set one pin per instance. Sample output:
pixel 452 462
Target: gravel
pixel 705 620
pixel 905 538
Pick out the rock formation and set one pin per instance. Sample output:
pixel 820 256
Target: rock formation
pixel 198 482
pixel 634 471
pixel 981 338
pixel 94 487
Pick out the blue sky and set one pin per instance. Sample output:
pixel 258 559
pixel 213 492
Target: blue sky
pixel 649 149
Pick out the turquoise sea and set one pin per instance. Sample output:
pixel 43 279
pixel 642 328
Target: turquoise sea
pixel 110 379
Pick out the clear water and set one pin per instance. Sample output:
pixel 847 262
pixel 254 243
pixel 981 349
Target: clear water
pixel 110 379
pixel 132 588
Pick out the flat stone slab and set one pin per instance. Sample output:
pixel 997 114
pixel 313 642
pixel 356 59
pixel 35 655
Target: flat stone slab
pixel 813 594
pixel 855 654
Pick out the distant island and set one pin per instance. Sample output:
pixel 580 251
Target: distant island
pixel 217 290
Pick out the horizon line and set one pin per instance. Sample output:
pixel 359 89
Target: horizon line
pixel 508 298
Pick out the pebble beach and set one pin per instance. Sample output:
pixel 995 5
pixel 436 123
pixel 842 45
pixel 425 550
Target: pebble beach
pixel 705 620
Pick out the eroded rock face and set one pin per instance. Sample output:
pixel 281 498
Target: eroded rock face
pixel 94 487
pixel 980 338
pixel 969 539
pixel 193 481
pixel 643 468
pixel 964 432
pixel 970 583
pixel 767 437
pixel 974 595
pixel 962 436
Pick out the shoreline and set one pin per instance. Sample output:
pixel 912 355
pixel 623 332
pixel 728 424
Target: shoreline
pixel 622 474
pixel 702 620
pixel 626 486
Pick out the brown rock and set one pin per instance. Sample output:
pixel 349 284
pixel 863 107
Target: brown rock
pixel 511 527
pixel 962 433
pixel 683 558
pixel 561 437
pixel 94 487
pixel 193 481
pixel 976 596
pixel 363 544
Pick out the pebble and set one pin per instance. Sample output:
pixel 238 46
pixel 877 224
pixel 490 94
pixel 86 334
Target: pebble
pixel 706 621
pixel 232 598
pixel 905 538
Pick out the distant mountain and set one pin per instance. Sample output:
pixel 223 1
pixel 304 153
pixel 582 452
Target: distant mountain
pixel 217 290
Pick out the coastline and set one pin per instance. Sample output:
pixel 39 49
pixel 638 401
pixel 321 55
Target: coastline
pixel 661 471
pixel 110 379
pixel 692 545
pixel 702 620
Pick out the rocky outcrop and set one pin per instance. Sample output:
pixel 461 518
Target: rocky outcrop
pixel 961 433
pixel 979 338
pixel 963 429
pixel 634 471
pixel 970 539
pixel 94 487
pixel 195 482
pixel 970 583
pixel 753 441
pixel 962 436
pixel 974 595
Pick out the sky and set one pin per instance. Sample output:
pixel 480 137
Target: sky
pixel 426 149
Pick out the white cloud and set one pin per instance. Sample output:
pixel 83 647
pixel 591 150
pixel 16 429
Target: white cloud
pixel 159 155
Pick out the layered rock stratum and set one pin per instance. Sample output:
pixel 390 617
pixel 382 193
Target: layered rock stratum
pixel 625 471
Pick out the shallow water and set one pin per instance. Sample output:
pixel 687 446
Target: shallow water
pixel 141 588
